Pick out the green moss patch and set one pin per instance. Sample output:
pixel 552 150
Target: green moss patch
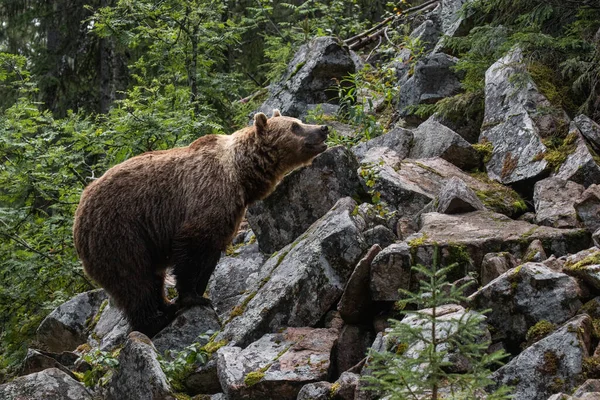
pixel 592 259
pixel 539 331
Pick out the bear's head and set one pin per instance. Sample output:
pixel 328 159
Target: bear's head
pixel 289 139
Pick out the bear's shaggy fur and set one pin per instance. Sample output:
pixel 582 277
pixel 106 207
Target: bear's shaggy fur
pixel 181 208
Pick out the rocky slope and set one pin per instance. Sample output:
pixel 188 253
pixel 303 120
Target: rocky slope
pixel 308 288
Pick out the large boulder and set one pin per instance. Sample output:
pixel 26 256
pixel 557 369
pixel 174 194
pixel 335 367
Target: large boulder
pixel 65 328
pixel 110 330
pixel 390 271
pixel 303 197
pixel 310 77
pixel 432 80
pixel 277 365
pixel 432 139
pixel 525 295
pixel 553 199
pixel 494 265
pixel 515 122
pixel 580 166
pixel 456 197
pixel 50 384
pixel 585 265
pixel 588 208
pixel 589 129
pixel 139 375
pixel 301 282
pixel 396 142
pixel 551 365
pixel 235 274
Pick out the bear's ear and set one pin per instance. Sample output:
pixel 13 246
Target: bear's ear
pixel 260 121
pixel 276 113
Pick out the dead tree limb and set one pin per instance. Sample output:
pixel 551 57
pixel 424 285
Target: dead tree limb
pixel 368 36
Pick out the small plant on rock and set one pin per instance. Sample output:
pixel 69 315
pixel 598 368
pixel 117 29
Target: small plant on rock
pixel 420 357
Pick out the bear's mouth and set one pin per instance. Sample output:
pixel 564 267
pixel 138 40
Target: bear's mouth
pixel 318 147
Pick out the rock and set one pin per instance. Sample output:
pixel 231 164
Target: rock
pixel 525 295
pixel 586 266
pixel 588 208
pixel 379 235
pixel 139 375
pixel 315 391
pixel 580 166
pixel 589 129
pixel 65 328
pixel 466 238
pixel 353 342
pixel 51 384
pixel 432 139
pixel 456 198
pixel 589 386
pixel 310 76
pixel 495 264
pixel 397 142
pixel 514 123
pixel 355 304
pixel 551 365
pixel 234 275
pixel 553 199
pixel 432 80
pixel 304 280
pixel 303 197
pixel 38 360
pixel 390 271
pixel 111 330
pixel 204 379
pixel 186 329
pixel 277 365
pixel 427 34
pixel 346 386
pixel 535 252
pixel 410 185
pixel 451 19
pixel 596 237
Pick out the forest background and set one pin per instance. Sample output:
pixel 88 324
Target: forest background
pixel 86 84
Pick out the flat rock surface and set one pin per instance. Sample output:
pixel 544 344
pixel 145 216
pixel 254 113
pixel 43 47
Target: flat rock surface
pixel 50 384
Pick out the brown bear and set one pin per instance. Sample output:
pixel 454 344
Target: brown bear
pixel 181 208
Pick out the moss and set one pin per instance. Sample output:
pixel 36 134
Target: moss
pixel 539 331
pixel 529 233
pixel 592 259
pixel 499 198
pixel 92 324
pixel 334 388
pixel 509 165
pixel 354 212
pixel 212 346
pixel 551 363
pixel 401 349
pixel 591 367
pixel 557 385
pixel 232 251
pixel 239 310
pixel 558 149
pixel 427 168
pixel 298 68
pixel 485 148
pixel 182 396
pixel 458 254
pixel 252 239
pixel 420 241
pixel 591 308
pixel 252 378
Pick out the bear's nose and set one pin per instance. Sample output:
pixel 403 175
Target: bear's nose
pixel 324 128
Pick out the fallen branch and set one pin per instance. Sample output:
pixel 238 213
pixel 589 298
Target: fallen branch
pixel 370 35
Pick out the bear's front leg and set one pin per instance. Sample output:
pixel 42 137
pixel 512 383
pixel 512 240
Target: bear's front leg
pixel 195 260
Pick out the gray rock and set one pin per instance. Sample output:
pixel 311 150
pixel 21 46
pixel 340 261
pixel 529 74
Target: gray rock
pixel 466 238
pixel 450 15
pixel 379 235
pixel 410 185
pixel 219 396
pixel 551 365
pixel 586 266
pixel 525 295
pixel 233 276
pixel 596 237
pixel 589 129
pixel 588 208
pixel 432 139
pixel 355 304
pixel 277 365
pixel 589 386
pixel 432 80
pixel 303 197
pixel 139 375
pixel 514 122
pixel 300 283
pixel 553 199
pixel 428 34
pixel 495 264
pixel 50 384
pixel 38 360
pixel 456 198
pixel 346 386
pixel 397 141
pixel 204 379
pixel 390 271
pixel 65 328
pixel 535 252
pixel 310 76
pixel 111 330
pixel 352 345
pixel 315 391
pixel 186 329
pixel 580 166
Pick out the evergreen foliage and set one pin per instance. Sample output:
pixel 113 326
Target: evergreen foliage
pixel 422 348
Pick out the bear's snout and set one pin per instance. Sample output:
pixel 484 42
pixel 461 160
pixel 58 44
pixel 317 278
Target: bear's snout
pixel 324 131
